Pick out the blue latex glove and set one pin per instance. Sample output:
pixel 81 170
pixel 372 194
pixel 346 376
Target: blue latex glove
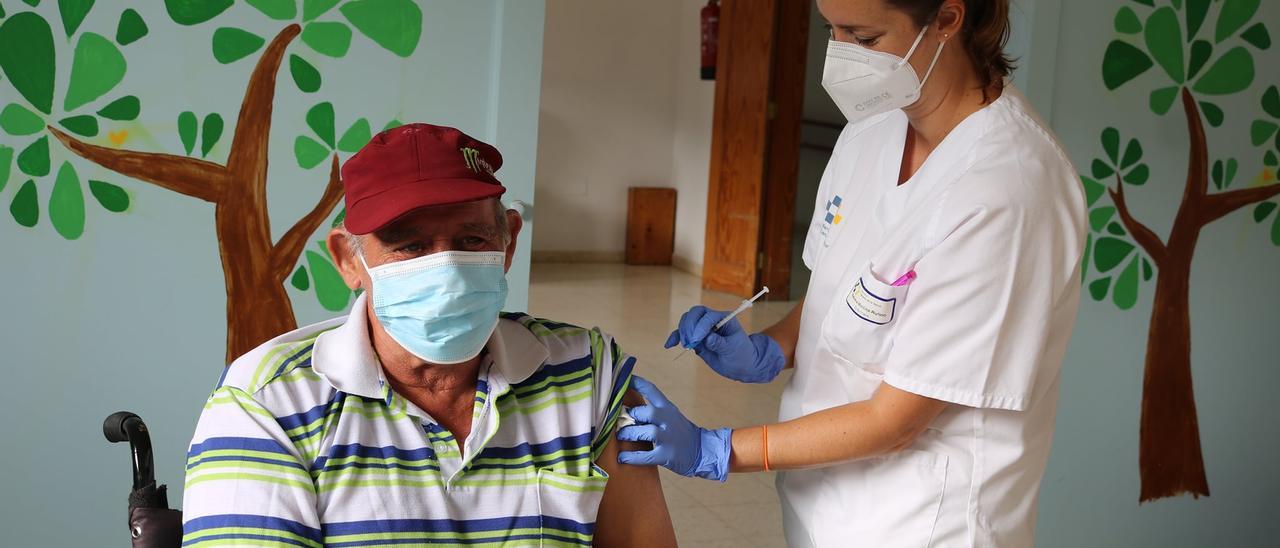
pixel 679 445
pixel 730 351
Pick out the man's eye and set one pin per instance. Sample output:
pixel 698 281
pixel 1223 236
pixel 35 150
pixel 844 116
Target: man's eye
pixel 410 248
pixel 474 241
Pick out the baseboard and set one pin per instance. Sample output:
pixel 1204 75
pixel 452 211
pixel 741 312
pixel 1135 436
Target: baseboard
pixel 577 256
pixel 687 265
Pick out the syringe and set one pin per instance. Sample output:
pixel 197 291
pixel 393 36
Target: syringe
pixel 746 303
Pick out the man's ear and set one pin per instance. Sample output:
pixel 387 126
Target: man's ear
pixel 514 223
pixel 344 257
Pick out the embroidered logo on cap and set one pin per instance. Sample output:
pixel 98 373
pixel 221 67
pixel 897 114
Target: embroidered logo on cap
pixel 475 162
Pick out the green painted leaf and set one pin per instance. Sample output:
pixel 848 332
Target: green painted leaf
pixel 312 9
pixel 1102 170
pixel 1098 289
pixel 73 13
pixel 1098 218
pixel 356 136
pixel 1163 37
pixel 1126 291
pixel 327 38
pixel 300 281
pixel 1231 73
pixel 1111 143
pixel 211 131
pixel 309 152
pixel 27 58
pixel 1232 167
pixel 1115 229
pixel 1271 102
pixel 25 206
pixel 1147 270
pixel 1212 113
pixel 32 3
pixel 1084 265
pixel 331 290
pixel 96 69
pixel 1261 131
pixel 1258 36
pixel 123 109
pixel 320 119
pixel 231 44
pixel 6 160
pixel 1270 160
pixel 1 11
pixel 396 25
pixel 1201 50
pixel 194 12
pixel 280 10
pixel 1092 190
pixel 305 76
pixel 1109 252
pixel 1162 99
pixel 85 125
pixel 1275 230
pixel 34 160
pixel 1216 174
pixel 1177 4
pixel 1196 11
pixel 187 130
pixel 131 27
pixel 1233 16
pixel 342 215
pixel 66 203
pixel 1263 210
pixel 1138 176
pixel 1127 21
pixel 16 120
pixel 111 197
pixel 1123 62
pixel 1132 153
pixel 392 124
pixel 1145 2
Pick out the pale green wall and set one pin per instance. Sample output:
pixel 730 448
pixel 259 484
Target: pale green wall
pixel 131 314
pixel 1090 492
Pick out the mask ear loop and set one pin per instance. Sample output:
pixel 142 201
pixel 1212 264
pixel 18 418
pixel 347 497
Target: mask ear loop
pixel 937 54
pixel 912 51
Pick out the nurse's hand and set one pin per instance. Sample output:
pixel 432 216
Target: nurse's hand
pixel 730 351
pixel 679 445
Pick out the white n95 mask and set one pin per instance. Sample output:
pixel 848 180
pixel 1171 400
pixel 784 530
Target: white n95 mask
pixel 864 82
pixel 442 307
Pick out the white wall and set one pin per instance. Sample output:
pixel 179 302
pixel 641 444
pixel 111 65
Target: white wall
pixel 621 106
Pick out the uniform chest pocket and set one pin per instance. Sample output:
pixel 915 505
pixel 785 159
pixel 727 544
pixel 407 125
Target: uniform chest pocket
pixel 860 325
pixel 568 504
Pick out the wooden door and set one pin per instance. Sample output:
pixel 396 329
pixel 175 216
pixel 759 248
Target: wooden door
pixel 755 145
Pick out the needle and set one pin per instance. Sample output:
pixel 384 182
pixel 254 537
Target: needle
pixel 746 303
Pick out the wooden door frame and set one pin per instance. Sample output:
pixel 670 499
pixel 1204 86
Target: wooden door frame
pixel 764 178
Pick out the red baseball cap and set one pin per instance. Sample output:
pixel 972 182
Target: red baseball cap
pixel 415 166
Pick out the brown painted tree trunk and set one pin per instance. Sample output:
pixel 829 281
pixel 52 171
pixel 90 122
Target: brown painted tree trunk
pixel 1169 454
pixel 255 268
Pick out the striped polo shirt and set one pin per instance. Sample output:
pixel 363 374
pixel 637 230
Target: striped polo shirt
pixel 304 443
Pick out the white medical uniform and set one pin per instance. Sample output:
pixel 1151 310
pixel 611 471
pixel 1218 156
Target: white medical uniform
pixel 993 224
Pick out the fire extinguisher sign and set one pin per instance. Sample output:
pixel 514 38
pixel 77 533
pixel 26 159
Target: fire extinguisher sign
pixel 710 32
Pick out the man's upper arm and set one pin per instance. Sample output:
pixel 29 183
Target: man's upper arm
pixel 633 512
pixel 245 479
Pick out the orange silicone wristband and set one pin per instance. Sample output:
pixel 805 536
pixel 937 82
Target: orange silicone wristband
pixel 765 438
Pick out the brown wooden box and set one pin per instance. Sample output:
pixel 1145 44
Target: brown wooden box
pixel 651 225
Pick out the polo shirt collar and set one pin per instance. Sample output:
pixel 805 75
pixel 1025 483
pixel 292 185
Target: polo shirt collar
pixel 345 358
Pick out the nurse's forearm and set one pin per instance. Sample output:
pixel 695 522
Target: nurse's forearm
pixel 787 331
pixel 890 421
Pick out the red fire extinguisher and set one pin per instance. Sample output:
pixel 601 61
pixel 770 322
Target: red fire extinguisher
pixel 710 34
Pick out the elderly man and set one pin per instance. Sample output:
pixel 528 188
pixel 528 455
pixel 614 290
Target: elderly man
pixel 425 416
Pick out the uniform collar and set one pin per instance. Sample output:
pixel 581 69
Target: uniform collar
pixel 344 356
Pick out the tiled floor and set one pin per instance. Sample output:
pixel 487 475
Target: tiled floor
pixel 640 306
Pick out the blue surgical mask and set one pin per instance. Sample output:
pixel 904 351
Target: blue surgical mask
pixel 442 307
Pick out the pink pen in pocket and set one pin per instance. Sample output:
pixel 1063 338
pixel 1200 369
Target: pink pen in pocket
pixel 906 279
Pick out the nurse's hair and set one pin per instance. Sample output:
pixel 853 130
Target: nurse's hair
pixel 985 32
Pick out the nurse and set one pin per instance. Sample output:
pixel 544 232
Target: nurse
pixel 945 248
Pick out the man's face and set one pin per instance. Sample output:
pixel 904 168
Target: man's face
pixel 470 226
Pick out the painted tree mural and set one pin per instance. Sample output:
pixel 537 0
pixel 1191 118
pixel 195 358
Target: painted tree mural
pixel 1202 52
pixel 255 267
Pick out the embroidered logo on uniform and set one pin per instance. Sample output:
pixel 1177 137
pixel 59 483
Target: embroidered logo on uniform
pixel 832 218
pixel 869 306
